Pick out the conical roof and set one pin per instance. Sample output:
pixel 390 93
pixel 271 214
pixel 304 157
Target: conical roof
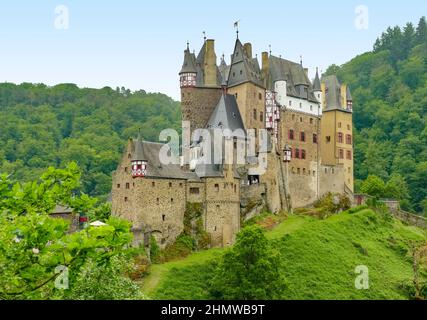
pixel 189 65
pixel 138 155
pixel 316 82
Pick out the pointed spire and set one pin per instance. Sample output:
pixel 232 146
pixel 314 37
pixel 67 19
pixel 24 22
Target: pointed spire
pixel 269 49
pixel 139 149
pixel 316 82
pixel 204 36
pixel 300 59
pixel 189 64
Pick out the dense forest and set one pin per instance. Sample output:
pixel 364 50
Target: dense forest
pixel 50 126
pixel 389 88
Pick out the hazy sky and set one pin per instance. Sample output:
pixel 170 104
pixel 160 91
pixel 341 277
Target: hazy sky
pixel 139 44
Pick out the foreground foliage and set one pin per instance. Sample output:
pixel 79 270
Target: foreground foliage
pixel 39 258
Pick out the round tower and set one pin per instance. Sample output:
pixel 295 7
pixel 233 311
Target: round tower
pixel 139 161
pixel 188 71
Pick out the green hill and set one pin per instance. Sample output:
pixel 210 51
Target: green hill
pixel 320 257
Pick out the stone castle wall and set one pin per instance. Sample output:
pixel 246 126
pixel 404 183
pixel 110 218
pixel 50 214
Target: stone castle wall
pixel 197 105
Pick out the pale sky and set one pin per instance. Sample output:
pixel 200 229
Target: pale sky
pixel 139 44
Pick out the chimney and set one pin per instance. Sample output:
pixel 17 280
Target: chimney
pixel 248 49
pixel 210 64
pixel 265 66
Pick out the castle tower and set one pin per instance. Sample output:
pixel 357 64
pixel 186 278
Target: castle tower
pixel 245 82
pixel 139 162
pixel 200 85
pixel 337 128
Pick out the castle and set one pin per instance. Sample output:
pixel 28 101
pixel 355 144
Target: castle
pixel 296 137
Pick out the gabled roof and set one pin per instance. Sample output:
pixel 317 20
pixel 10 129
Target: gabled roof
pixel 155 169
pixel 226 115
pixel 243 68
pixel 294 75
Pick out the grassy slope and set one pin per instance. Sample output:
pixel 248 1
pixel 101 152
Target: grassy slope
pixel 319 260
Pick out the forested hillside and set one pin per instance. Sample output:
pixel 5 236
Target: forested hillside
pixel 389 88
pixel 50 126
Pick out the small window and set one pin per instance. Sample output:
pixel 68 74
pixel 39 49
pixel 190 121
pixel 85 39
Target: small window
pixel 170 184
pixel 218 207
pixel 341 153
pixel 303 154
pixel 300 105
pixel 290 103
pixel 259 96
pixel 217 187
pixel 348 127
pixel 339 124
pixel 255 114
pixel 293 117
pixel 153 184
pixel 291 134
pixel 303 171
pixel 328 139
pixel 299 171
pixel 314 138
pixel 297 154
pixel 235 188
pixel 311 120
pixel 126 199
pixel 234 74
pixel 300 119
pixel 241 72
pixel 261 116
pixel 158 201
pixel 180 185
pixel 163 217
pixel 314 173
pixel 349 139
pixel 127 186
pixel 129 156
pixel 194 190
pixel 349 155
pixel 311 108
pixel 118 186
pixel 126 169
pixel 340 137
pixel 302 136
pixel 171 200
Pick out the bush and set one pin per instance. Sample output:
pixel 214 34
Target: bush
pixel 331 204
pixel 357 209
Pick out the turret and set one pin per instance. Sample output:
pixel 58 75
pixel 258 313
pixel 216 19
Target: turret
pixel 349 100
pixel 188 72
pixel 139 162
pixel 317 88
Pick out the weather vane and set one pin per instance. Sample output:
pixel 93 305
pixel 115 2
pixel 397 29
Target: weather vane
pixel 236 26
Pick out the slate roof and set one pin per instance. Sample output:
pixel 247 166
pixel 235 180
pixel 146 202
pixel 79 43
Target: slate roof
pixel 226 115
pixel 189 65
pixel 333 94
pixel 155 169
pixel 138 155
pixel 316 82
pixel 243 68
pixel 294 75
